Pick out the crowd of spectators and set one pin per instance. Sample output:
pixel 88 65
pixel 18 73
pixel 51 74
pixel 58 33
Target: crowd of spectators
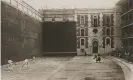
pixel 124 54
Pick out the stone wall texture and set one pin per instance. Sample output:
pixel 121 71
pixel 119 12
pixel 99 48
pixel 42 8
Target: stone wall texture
pixel 20 35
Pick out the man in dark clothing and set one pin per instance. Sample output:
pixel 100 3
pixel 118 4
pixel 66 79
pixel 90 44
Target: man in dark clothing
pixel 97 57
pixel 85 53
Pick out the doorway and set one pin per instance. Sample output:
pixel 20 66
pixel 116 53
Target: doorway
pixel 95 47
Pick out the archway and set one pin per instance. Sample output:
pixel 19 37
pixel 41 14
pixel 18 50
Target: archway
pixel 95 47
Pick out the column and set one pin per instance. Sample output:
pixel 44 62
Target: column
pixel 75 17
pixel 101 19
pixel 89 20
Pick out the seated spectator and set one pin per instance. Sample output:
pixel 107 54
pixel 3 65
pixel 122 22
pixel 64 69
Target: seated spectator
pixel 25 63
pixel 10 62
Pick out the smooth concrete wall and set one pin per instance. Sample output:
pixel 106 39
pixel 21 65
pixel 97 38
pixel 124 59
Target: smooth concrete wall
pixel 20 34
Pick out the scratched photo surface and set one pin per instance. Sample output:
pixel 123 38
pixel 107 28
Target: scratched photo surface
pixel 66 39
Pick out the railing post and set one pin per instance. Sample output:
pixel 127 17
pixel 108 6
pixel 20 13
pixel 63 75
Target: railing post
pixel 10 2
pixel 17 3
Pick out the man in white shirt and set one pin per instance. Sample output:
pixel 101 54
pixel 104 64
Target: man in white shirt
pixel 25 62
pixel 10 62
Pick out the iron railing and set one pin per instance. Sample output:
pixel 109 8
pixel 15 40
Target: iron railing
pixel 25 8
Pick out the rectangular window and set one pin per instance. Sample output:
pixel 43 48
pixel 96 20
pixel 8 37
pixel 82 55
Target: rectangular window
pixel 92 22
pixel 82 20
pixel 82 42
pixel 82 32
pixel 112 20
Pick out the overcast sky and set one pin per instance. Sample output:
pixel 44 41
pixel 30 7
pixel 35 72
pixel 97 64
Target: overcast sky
pixel 38 4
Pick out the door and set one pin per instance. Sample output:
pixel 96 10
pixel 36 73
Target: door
pixel 95 47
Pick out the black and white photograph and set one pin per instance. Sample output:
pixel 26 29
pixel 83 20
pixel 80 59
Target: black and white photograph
pixel 66 40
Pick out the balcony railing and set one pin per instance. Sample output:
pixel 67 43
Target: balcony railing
pixel 125 23
pixel 25 8
pixel 130 35
pixel 126 11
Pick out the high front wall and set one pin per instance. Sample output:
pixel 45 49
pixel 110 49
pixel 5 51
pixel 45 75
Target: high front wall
pixel 59 38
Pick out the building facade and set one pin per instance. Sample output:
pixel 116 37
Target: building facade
pixel 58 15
pixel 96 28
pixel 125 8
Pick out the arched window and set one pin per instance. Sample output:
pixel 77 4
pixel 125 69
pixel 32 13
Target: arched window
pixel 108 32
pixel 82 41
pixel 108 41
pixel 82 32
pixel 95 21
pixel 82 20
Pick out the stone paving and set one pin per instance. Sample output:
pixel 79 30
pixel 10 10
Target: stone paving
pixel 65 68
pixel 39 69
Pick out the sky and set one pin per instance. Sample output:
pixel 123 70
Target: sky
pixel 39 4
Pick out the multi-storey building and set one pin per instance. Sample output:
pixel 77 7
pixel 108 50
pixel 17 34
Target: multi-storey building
pixel 125 8
pixel 96 28
pixel 96 31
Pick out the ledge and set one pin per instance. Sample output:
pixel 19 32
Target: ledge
pixel 127 67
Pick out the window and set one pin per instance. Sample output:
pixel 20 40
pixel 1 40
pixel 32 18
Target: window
pixel 95 21
pixel 112 20
pixel 82 41
pixel 95 31
pixel 108 32
pixel 108 20
pixel 82 32
pixel 108 41
pixel 82 20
